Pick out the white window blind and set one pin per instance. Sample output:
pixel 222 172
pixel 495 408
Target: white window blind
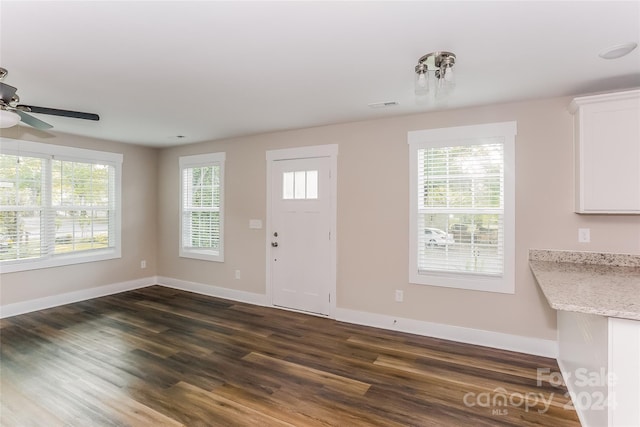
pixel 58 205
pixel 83 199
pixel 202 206
pixel 462 207
pixel 461 191
pixel 23 207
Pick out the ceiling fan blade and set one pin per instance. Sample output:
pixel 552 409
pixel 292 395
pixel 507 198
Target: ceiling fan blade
pixel 7 92
pixel 63 113
pixel 32 121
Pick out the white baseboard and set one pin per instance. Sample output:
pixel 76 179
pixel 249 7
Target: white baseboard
pixel 17 308
pixel 535 346
pixel 214 291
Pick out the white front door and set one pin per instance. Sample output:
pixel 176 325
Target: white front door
pixel 300 232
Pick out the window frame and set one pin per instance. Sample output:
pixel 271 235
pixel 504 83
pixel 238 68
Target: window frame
pixel 195 161
pixel 451 137
pixel 50 152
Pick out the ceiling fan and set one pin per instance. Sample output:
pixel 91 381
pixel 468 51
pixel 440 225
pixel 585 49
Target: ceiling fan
pixel 11 112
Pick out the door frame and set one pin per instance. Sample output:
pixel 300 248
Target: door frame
pixel 313 151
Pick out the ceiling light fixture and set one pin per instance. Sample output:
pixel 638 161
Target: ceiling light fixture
pixel 8 118
pixel 8 102
pixel 618 51
pixel 442 78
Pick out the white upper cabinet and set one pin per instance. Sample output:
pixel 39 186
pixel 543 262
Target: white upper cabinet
pixel 607 152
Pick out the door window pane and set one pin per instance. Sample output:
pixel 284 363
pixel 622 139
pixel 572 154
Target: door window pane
pixel 287 185
pixel 312 184
pixel 300 185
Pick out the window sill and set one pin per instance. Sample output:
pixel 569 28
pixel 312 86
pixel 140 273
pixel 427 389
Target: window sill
pixel 58 261
pixel 472 282
pixel 204 256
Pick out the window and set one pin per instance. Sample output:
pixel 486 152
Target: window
pixel 58 205
pixel 202 201
pixel 462 207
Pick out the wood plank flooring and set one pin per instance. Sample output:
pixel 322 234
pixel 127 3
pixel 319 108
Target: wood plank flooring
pixel 163 357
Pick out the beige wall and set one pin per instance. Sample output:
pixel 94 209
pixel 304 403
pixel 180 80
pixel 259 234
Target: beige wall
pixel 139 201
pixel 373 216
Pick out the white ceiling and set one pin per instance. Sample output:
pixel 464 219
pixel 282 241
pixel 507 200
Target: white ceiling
pixel 210 70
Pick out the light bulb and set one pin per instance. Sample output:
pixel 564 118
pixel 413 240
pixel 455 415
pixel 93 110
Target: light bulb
pixel 421 83
pixel 8 119
pixel 422 80
pixel 448 74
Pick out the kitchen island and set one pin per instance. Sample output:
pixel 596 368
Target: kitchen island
pixel 598 301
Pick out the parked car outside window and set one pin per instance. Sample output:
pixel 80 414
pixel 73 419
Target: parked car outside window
pixel 464 233
pixel 487 235
pixel 461 233
pixel 437 237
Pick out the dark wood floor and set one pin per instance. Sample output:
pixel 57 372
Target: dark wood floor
pixel 163 357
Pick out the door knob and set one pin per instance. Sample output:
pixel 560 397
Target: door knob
pixel 274 244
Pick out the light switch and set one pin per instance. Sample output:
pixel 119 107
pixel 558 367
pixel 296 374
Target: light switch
pixel 255 224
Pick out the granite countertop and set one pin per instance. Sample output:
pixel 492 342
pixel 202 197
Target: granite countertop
pixel 587 282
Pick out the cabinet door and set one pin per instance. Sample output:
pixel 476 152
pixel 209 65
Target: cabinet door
pixel 608 149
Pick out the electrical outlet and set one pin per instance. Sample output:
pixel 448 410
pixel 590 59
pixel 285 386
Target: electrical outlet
pixel 399 295
pixel 238 274
pixel 584 235
pixel 143 264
